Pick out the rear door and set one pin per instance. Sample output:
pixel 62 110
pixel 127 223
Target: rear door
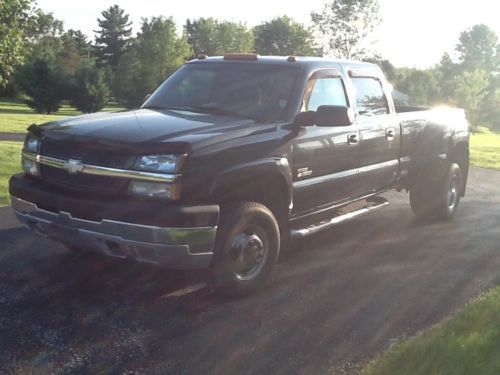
pixel 325 158
pixel 380 136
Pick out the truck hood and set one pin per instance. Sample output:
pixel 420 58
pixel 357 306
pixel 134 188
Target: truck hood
pixel 151 129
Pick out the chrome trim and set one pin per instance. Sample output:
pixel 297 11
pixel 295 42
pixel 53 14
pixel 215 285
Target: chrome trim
pixel 327 177
pixel 343 174
pixel 144 243
pixel 102 171
pixel 374 167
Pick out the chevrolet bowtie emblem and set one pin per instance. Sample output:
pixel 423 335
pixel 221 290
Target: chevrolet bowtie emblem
pixel 73 166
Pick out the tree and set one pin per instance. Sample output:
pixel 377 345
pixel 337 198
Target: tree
pixel 112 36
pixel 478 48
pixel 448 72
pixel 43 36
pixel 41 82
pixel 91 92
pixel 387 67
pixel 212 37
pixel 283 37
pixel 80 40
pixel 345 26
pixel 421 86
pixel 14 16
pixel 471 92
pixel 154 54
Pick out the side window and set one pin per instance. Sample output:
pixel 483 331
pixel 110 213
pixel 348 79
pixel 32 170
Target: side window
pixel 370 99
pixel 324 91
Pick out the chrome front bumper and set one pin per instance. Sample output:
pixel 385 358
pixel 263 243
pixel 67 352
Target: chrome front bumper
pixel 180 248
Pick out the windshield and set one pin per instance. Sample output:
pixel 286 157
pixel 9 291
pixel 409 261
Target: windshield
pixel 248 90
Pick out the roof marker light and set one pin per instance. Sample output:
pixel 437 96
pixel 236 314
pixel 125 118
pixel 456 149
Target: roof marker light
pixel 240 56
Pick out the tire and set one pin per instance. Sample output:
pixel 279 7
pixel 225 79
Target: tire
pixel 440 199
pixel 246 249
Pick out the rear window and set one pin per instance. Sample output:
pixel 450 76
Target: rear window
pixel 370 98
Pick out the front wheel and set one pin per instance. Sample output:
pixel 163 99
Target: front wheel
pixel 438 199
pixel 246 250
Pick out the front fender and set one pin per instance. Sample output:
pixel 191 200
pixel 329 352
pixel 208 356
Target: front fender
pixel 255 170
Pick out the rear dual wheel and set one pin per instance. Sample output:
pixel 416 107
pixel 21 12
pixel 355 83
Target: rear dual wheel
pixel 438 199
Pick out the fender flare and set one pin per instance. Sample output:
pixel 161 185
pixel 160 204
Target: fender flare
pixel 277 166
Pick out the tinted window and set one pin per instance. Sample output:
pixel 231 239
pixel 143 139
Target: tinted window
pixel 325 91
pixel 370 99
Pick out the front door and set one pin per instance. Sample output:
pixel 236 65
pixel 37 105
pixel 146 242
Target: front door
pixel 325 159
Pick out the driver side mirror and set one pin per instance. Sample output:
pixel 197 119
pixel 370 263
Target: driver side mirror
pixel 326 115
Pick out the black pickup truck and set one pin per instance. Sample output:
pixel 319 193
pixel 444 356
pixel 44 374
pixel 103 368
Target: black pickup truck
pixel 232 157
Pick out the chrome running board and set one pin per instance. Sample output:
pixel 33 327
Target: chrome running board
pixel 343 215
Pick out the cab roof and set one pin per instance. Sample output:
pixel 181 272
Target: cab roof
pixel 279 60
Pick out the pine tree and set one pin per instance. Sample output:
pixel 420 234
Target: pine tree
pixel 113 36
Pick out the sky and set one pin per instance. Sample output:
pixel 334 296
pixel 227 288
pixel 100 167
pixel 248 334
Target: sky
pixel 412 33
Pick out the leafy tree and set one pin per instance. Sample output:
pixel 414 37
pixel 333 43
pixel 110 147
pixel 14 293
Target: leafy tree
pixel 14 15
pixel 81 42
pixel 478 48
pixel 345 26
pixel 421 86
pixel 72 51
pixel 154 54
pixel 43 25
pixel 113 35
pixel 386 66
pixel 448 72
pixel 91 92
pixel 41 82
pixel 43 36
pixel 212 37
pixel 471 92
pixel 283 36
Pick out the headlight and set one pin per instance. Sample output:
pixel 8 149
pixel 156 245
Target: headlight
pixel 155 189
pixel 31 167
pixel 160 163
pixel 31 143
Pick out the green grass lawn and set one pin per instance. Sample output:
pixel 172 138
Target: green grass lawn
pixel 10 163
pixel 15 116
pixel 468 343
pixel 485 150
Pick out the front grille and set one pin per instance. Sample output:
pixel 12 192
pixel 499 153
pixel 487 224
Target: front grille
pixel 83 181
pixel 87 154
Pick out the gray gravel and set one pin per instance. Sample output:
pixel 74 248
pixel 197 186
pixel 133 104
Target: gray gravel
pixel 339 299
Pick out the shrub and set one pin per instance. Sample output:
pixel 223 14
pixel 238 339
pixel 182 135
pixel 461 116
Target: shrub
pixel 91 91
pixel 42 83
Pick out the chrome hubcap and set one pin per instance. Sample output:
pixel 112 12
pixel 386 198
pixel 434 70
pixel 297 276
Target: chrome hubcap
pixel 247 255
pixel 452 193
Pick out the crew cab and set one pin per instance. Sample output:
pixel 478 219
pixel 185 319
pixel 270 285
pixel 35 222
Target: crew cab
pixel 234 156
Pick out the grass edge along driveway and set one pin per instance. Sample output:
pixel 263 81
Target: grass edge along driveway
pixel 467 343
pixel 10 163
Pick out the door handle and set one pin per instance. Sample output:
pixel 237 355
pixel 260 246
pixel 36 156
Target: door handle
pixel 352 138
pixel 390 134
